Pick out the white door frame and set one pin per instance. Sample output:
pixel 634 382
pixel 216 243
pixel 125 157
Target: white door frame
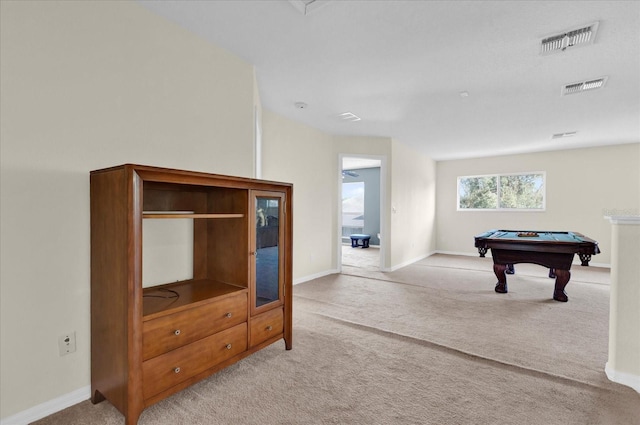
pixel 384 232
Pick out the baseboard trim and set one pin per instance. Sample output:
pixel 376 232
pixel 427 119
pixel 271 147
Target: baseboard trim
pixel 314 276
pixel 466 254
pixel 48 407
pixel 623 378
pixel 407 263
pixel 334 271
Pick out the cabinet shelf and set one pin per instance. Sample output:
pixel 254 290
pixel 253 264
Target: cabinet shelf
pixel 174 297
pixel 189 215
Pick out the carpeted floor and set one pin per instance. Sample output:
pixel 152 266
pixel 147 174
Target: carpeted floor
pixel 431 343
pixel 368 258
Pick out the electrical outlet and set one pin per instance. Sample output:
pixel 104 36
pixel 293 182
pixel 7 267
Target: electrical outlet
pixel 67 343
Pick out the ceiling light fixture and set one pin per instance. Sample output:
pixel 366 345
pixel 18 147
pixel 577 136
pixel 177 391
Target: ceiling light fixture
pixel 348 116
pixel 577 36
pixel 301 105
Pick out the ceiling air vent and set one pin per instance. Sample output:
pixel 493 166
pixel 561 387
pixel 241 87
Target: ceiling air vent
pixel 563 135
pixel 580 86
pixel 574 37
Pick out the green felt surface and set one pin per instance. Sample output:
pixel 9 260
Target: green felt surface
pixel 542 235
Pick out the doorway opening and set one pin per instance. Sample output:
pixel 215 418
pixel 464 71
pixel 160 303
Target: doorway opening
pixel 360 224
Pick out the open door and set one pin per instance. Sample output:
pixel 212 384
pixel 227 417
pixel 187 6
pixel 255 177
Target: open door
pixel 361 210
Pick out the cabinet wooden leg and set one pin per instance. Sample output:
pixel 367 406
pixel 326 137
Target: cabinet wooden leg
pixel 288 338
pixel 132 419
pixel 97 397
pixel 132 416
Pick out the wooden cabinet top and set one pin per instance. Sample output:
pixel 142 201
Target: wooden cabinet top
pixel 198 178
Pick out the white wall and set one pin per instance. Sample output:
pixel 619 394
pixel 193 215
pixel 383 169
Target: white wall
pixel 87 85
pixel 302 155
pixel 309 159
pixel 583 185
pixel 413 205
pixel 623 364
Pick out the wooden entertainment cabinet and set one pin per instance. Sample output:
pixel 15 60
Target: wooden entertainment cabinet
pixel 151 341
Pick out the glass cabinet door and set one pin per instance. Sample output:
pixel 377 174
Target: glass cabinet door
pixel 267 267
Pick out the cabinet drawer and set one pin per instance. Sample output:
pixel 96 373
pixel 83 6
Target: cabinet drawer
pixel 175 330
pixel 163 372
pixel 265 326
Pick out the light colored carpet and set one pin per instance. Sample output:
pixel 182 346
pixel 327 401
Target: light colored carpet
pixel 431 343
pixel 361 257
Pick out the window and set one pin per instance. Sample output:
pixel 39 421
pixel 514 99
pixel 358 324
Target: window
pixel 505 192
pixel 352 208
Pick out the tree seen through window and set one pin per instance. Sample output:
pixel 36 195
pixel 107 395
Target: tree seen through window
pixel 508 191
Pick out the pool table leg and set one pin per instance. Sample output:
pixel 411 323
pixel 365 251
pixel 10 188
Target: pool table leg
pixel 562 278
pixel 499 270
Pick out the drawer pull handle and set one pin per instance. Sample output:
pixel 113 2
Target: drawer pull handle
pixel 177 332
pixel 228 347
pixel 269 328
pixel 176 370
pixel 228 315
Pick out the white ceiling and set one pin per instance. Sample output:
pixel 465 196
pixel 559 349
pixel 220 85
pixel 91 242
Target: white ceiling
pixel 400 66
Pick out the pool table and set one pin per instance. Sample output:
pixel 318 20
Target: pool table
pixel 554 250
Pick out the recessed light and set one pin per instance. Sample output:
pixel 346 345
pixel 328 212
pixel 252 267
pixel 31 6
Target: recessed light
pixel 464 94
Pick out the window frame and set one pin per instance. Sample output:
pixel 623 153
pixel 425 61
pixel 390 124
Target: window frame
pixel 498 176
